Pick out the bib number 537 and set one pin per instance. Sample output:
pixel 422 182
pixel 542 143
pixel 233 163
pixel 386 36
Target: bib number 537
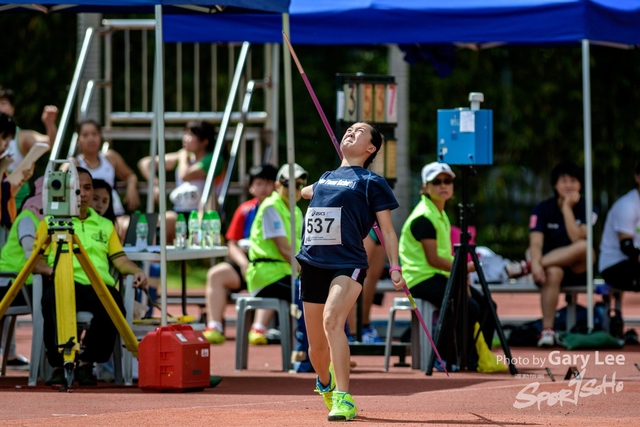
pixel 322 226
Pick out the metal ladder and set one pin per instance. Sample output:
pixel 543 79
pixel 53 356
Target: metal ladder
pixel 128 123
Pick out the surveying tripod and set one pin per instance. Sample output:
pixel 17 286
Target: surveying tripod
pixel 65 244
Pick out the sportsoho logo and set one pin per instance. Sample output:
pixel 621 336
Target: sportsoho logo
pixel 578 388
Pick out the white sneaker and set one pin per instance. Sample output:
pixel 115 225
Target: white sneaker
pixel 547 338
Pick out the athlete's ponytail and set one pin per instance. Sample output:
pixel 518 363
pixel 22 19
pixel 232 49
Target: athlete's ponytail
pixel 376 139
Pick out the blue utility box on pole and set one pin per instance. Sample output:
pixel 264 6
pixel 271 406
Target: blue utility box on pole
pixel 465 135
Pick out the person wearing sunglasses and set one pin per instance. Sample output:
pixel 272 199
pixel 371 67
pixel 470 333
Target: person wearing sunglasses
pixel 344 205
pixel 269 271
pixel 426 252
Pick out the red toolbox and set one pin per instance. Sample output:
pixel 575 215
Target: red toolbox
pixel 173 358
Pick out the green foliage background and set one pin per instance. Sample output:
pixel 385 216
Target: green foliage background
pixel 535 94
pixel 37 59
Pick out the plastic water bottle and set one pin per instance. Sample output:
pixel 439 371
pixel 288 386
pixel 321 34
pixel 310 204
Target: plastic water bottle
pixel 216 226
pixel 207 236
pixel 181 232
pixel 194 230
pixel 142 230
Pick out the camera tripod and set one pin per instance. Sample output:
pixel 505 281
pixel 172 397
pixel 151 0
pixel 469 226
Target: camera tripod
pixel 457 293
pixel 65 243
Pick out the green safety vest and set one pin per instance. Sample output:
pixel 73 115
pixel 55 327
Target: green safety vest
pixel 12 257
pixel 267 265
pixel 94 233
pixel 415 268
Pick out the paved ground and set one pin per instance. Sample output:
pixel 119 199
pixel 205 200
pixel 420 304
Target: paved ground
pixel 265 396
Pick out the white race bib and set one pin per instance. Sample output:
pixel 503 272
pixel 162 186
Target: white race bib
pixel 322 226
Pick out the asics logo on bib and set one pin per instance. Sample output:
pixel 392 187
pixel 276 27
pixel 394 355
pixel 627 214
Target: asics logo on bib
pixel 322 226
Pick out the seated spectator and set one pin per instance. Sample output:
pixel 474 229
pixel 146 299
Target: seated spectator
pixel 376 258
pixel 101 243
pixel 557 243
pixel 619 261
pixel 269 271
pixel 106 166
pixel 426 252
pixel 191 164
pixel 8 209
pixel 15 253
pixel 24 139
pixel 102 201
pixel 230 276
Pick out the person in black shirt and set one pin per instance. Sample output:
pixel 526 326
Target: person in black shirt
pixel 557 243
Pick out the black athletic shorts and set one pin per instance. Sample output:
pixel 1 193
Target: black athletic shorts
pixel 315 281
pixel 624 276
pixel 280 290
pixel 236 267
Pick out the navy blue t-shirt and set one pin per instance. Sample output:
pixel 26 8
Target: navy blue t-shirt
pixel 360 193
pixel 547 219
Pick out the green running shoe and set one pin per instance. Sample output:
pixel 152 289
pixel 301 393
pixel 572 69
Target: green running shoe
pixel 257 338
pixel 344 409
pixel 327 391
pixel 214 336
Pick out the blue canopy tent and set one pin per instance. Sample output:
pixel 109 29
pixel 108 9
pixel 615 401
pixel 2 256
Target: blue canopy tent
pixel 147 6
pixel 419 21
pixel 527 22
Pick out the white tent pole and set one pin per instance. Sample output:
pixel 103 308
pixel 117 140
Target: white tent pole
pixel 291 158
pixel 153 149
pixel 275 103
pixel 159 118
pixel 588 191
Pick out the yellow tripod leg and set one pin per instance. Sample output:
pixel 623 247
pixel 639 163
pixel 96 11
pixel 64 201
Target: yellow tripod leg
pixel 65 297
pixel 130 340
pixel 39 248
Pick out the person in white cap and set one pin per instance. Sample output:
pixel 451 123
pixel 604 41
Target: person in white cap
pixel 426 251
pixel 345 203
pixel 269 271
pixel 230 276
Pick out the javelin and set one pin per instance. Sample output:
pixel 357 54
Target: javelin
pixel 375 224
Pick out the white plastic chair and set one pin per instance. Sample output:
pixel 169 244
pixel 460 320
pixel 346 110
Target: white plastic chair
pixel 420 346
pixel 244 306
